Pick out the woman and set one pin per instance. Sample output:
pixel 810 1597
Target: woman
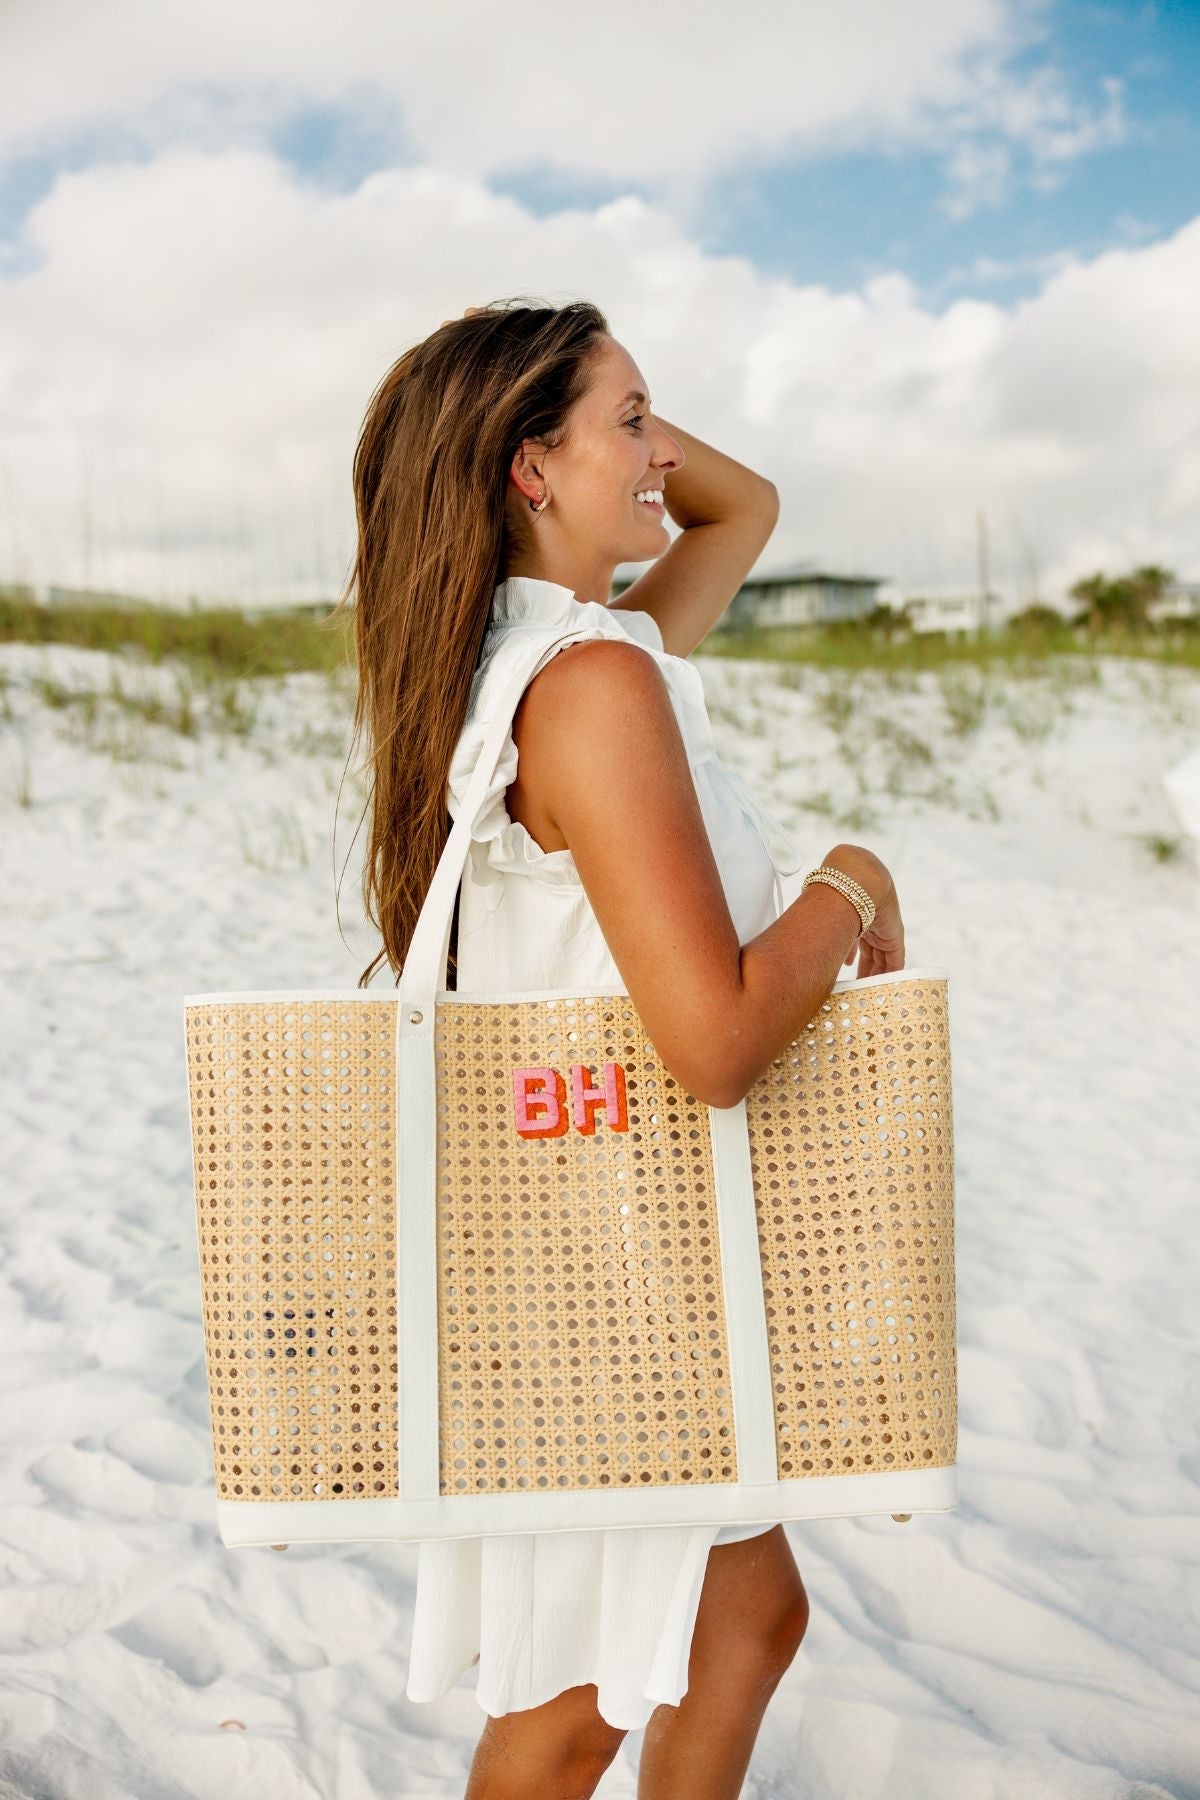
pixel 497 484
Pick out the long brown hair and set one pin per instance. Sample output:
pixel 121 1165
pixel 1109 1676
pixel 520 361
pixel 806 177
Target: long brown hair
pixel 430 481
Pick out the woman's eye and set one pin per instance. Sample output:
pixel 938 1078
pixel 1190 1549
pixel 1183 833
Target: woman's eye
pixel 636 419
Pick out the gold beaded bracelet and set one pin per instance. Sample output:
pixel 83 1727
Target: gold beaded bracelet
pixel 854 891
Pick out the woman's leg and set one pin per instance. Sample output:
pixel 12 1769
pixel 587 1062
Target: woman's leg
pixel 557 1751
pixel 752 1615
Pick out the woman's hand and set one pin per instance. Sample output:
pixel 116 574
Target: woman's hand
pixel 467 314
pixel 881 947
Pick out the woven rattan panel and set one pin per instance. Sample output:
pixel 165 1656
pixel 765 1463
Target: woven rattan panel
pixel 582 1331
pixel 293 1132
pixel 851 1143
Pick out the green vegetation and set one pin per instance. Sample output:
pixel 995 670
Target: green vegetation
pixel 1121 602
pixel 1164 847
pixel 1112 619
pixel 198 675
pixel 212 644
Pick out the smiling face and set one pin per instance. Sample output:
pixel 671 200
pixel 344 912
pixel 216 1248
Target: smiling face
pixel 614 449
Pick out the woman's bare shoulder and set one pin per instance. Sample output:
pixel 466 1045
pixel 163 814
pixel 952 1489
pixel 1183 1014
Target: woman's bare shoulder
pixel 601 701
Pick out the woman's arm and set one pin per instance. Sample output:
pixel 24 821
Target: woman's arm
pixel 728 514
pixel 600 746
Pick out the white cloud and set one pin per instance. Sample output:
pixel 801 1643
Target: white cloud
pixel 1064 131
pixel 185 362
pixel 1029 125
pixel 979 175
pixel 986 271
pixel 662 101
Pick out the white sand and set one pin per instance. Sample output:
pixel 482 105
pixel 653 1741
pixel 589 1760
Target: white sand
pixel 1041 1642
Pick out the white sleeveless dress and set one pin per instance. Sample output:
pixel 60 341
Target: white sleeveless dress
pixel 545 1611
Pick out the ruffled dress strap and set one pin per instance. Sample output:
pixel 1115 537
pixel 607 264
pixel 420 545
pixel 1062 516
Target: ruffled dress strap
pixel 505 847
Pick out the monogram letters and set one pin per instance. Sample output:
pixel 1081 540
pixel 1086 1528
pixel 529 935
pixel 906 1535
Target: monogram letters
pixel 540 1095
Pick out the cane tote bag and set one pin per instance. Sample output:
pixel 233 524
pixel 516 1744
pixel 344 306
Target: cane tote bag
pixel 477 1263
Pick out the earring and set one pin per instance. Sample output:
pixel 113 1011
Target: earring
pixel 536 508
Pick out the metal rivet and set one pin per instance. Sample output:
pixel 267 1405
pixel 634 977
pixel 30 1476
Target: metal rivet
pixel 414 1018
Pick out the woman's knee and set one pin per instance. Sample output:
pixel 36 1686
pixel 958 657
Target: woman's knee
pixel 584 1727
pixel 791 1622
pixel 564 1744
pixel 755 1614
pixel 593 1741
pixel 771 1641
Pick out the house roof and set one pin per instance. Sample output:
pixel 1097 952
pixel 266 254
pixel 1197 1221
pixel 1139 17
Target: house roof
pixel 791 573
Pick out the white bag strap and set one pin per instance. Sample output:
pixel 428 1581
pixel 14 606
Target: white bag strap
pixel 416 1115
pixel 424 968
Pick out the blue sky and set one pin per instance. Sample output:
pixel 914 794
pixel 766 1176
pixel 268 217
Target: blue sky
pixel 841 218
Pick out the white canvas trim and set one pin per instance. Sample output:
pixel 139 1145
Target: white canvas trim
pixel 444 996
pixel 248 1522
pixel 745 1307
pixel 416 1260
